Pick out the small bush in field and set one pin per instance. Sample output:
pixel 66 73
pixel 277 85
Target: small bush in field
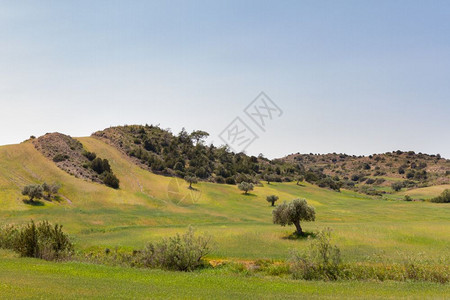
pixel 181 252
pixel 41 240
pixel 443 198
pixel 323 261
pixel 408 198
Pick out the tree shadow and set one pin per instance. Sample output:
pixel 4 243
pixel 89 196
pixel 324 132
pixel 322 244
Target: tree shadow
pixel 192 188
pixel 33 203
pixel 303 236
pixel 299 184
pixel 57 198
pixel 249 195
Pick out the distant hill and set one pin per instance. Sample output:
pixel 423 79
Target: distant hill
pixel 413 169
pixel 161 152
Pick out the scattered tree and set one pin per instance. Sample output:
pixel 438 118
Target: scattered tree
pixel 294 212
pixel 198 136
pixel 268 177
pixel 300 178
pixel 191 180
pixel 33 191
pixel 50 189
pixel 245 187
pixel 272 199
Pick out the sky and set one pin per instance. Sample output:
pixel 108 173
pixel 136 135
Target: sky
pixel 356 77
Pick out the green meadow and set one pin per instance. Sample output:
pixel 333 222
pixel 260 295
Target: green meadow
pixel 148 207
pixel 23 277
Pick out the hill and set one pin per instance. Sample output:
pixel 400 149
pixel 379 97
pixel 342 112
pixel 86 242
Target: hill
pixel 378 172
pixel 70 156
pixel 148 206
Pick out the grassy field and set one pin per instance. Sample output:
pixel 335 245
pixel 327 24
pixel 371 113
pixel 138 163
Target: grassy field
pixel 148 207
pixel 21 278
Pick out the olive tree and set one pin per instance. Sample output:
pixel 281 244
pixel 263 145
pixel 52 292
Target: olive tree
pixel 190 179
pixel 293 212
pixel 50 189
pixel 272 199
pixel 245 187
pixel 34 191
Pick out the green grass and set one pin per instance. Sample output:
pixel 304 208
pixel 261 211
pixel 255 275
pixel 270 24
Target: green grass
pixel 25 278
pixel 148 207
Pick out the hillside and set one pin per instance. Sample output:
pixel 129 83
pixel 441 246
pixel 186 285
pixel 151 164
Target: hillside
pixel 148 206
pixel 379 170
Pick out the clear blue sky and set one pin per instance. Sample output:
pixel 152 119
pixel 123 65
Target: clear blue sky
pixel 359 77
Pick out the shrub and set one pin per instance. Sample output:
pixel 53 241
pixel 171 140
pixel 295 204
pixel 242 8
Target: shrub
pixel 397 186
pixel 60 157
pixel 181 252
pixel 355 177
pixel 219 179
pixel 322 262
pixel 443 198
pixel 407 198
pixel 100 165
pixel 370 181
pixel 230 180
pixel 410 174
pixel 329 183
pixel 42 240
pixel 109 179
pixel 89 155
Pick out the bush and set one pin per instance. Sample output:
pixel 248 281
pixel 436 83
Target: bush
pixel 230 180
pixel 370 181
pixel 219 179
pixel 181 252
pixel 89 155
pixel 355 177
pixel 443 198
pixel 109 179
pixel 408 198
pixel 397 186
pixel 100 165
pixel 323 262
pixel 42 240
pixel 60 157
